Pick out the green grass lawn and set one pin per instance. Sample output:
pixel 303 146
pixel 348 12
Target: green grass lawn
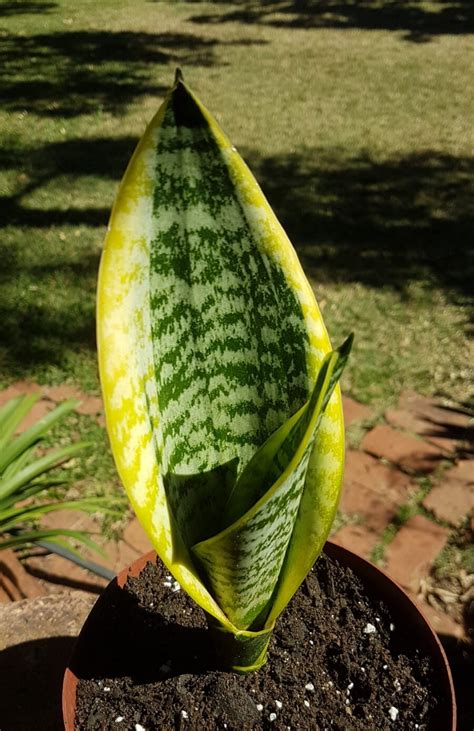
pixel 356 118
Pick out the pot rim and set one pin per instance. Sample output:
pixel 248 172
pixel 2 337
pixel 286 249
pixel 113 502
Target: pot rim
pixel 370 575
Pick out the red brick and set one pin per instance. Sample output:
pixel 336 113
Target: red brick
pixel 136 537
pixel 410 453
pixel 5 595
pixel 21 388
pixel 440 622
pixel 432 411
pixel 90 405
pixel 134 544
pixel 434 435
pixel 15 582
pixel 39 409
pixel 372 490
pixel 376 510
pixel 452 500
pixel 413 550
pixel 57 572
pixel 71 519
pixel 434 429
pixel 366 470
pixel 354 411
pixel 63 392
pixel 356 538
pixel 463 471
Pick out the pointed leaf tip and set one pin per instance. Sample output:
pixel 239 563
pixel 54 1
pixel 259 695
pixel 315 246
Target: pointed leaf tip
pixel 178 76
pixel 346 347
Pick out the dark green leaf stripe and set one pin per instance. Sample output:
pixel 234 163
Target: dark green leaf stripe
pixel 229 340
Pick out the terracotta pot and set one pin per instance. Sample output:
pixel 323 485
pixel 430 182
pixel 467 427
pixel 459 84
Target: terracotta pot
pixel 377 583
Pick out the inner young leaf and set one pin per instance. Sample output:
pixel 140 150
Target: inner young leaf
pixel 273 458
pixel 243 562
pixel 197 501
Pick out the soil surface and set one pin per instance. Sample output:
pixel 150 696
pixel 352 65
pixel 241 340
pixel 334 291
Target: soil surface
pixel 337 660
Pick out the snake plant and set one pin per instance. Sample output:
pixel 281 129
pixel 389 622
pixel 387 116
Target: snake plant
pixel 219 382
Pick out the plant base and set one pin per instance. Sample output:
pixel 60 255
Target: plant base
pixel 334 661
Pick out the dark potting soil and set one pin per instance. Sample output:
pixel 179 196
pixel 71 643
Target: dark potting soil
pixel 336 661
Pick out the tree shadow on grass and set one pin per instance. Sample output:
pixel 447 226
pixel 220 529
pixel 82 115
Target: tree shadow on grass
pixel 23 7
pixel 101 158
pixel 69 73
pixel 37 334
pixel 418 20
pixel 384 224
pixel 42 330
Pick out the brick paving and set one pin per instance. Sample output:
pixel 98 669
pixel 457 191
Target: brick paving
pixel 408 452
pixel 413 550
pixel 419 438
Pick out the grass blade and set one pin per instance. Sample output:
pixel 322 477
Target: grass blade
pixel 41 465
pixel 28 537
pixel 65 552
pixel 34 433
pixel 15 516
pixel 12 415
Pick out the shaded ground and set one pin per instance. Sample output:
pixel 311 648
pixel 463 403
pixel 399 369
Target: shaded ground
pixel 378 223
pixel 100 70
pixel 360 140
pixel 419 21
pixel 383 225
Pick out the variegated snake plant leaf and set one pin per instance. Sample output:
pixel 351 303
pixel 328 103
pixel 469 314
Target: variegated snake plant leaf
pixel 219 381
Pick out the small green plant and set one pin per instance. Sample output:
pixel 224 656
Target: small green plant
pixel 25 480
pixel 219 382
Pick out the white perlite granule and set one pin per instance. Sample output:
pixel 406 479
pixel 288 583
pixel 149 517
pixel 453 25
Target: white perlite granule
pixel 393 713
pixel 184 714
pixel 369 629
pixel 272 716
pixel 309 686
